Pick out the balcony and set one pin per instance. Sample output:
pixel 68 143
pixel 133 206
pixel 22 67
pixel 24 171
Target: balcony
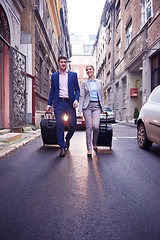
pixel 135 49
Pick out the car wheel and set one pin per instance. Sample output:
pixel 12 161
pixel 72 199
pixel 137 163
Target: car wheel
pixel 142 139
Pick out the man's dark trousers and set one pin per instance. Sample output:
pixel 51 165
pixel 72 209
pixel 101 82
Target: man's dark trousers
pixel 62 108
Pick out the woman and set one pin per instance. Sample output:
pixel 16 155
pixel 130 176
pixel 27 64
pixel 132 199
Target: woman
pixel 91 102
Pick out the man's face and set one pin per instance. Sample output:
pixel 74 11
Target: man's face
pixel 63 64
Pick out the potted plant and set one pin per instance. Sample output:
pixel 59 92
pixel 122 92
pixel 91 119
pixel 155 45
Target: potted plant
pixel 135 115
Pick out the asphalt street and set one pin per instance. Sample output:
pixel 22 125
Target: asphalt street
pixel 114 196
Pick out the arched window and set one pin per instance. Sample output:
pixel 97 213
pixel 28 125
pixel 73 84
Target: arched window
pixel 4 64
pixel 4 26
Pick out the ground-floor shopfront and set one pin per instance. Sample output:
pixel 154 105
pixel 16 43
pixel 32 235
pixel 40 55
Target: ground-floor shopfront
pixel 132 88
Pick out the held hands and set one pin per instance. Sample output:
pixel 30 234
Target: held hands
pixel 75 104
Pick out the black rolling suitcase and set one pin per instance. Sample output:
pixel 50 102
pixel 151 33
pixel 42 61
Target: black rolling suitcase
pixel 48 129
pixel 105 133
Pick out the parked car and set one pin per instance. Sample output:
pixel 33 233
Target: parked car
pixel 110 115
pixel 80 121
pixel 148 124
pixel 65 118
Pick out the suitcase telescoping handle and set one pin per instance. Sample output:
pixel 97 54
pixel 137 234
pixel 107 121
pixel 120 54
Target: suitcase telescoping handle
pixel 106 118
pixel 48 115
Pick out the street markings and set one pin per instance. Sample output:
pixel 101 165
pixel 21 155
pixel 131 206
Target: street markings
pixel 116 138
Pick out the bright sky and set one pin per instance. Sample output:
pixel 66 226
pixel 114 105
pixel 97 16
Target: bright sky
pixel 84 16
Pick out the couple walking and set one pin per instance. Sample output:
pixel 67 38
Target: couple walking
pixel 66 97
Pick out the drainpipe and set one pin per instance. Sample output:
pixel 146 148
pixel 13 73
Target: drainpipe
pixel 113 30
pixel 33 96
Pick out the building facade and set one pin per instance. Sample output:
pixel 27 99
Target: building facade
pixel 45 33
pixel 12 66
pixel 81 55
pixel 64 39
pixel 127 52
pixel 33 34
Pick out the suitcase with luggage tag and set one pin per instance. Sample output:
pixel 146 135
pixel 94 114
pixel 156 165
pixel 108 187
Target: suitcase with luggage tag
pixel 48 129
pixel 105 132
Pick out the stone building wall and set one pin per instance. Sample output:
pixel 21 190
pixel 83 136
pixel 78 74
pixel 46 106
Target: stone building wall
pixel 130 67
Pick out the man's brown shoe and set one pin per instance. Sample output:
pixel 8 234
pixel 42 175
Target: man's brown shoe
pixel 62 153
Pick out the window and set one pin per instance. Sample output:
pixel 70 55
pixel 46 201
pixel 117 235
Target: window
pixel 109 58
pixel 53 40
pixel 109 62
pixel 117 94
pixel 103 48
pixel 118 12
pixel 124 85
pixel 118 49
pixel 155 71
pixel 109 97
pixel 88 48
pixel 124 89
pixel 146 10
pixel 155 63
pixel 126 3
pixel 41 75
pixel 108 77
pixel 41 8
pixel 108 73
pixel 129 33
pixel 48 87
pixel 109 33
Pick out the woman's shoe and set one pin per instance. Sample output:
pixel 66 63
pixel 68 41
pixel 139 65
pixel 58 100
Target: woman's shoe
pixel 89 155
pixel 95 149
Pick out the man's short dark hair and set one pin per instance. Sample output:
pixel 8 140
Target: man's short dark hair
pixel 62 57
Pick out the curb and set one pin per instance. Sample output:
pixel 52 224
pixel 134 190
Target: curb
pixel 128 124
pixel 10 149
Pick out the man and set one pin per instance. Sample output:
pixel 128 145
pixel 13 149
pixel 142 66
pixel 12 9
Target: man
pixel 65 95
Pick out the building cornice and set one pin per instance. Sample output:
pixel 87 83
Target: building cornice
pixel 54 12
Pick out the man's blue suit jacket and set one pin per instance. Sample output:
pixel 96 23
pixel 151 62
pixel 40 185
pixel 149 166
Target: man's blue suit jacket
pixel 73 88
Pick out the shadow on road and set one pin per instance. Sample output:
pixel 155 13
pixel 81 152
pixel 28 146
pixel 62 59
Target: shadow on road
pixel 49 148
pixel 155 150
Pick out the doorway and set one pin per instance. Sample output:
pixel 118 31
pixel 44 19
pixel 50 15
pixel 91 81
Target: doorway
pixel 4 60
pixel 1 85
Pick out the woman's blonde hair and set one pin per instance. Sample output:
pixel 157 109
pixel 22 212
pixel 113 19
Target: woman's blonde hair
pixel 90 66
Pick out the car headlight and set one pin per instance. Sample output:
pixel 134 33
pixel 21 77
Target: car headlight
pixel 65 117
